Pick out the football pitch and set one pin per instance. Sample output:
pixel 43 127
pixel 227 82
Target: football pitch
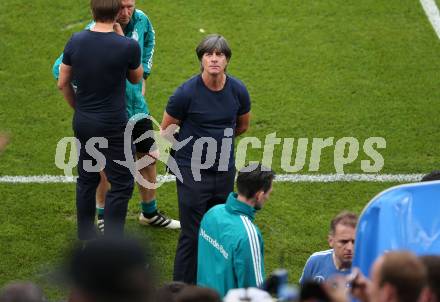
pixel 314 70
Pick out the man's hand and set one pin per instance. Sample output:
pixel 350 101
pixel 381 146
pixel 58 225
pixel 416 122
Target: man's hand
pixel 336 289
pixel 360 286
pixel 118 29
pixel 243 122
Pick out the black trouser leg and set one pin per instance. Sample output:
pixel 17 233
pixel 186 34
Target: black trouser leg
pixel 117 198
pixel 195 198
pixel 121 188
pixel 85 200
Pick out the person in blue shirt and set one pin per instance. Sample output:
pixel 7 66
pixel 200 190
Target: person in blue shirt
pixel 211 109
pixel 137 26
pixel 99 61
pixel 230 249
pixel 324 264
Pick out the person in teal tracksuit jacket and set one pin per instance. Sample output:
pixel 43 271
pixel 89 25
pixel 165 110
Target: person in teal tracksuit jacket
pixel 230 246
pixel 136 25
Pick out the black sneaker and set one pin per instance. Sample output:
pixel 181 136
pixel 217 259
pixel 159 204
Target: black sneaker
pixel 100 225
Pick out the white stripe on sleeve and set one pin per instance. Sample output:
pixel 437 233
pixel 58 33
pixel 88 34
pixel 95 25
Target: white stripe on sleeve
pixel 255 248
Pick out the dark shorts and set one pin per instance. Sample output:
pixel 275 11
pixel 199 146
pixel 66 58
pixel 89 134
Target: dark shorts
pixel 148 144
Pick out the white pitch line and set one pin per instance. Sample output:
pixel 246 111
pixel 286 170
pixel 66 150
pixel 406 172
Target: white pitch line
pixel 349 178
pixel 402 178
pixel 433 14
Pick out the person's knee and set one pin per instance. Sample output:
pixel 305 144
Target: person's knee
pixel 149 158
pixel 149 172
pixel 89 179
pixel 124 187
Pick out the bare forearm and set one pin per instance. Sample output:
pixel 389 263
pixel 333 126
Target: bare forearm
pixel 64 84
pixel 168 126
pixel 135 75
pixel 69 95
pixel 168 133
pixel 243 123
pixel 240 130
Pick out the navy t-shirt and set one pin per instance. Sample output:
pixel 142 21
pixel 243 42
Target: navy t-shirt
pixel 206 114
pixel 100 62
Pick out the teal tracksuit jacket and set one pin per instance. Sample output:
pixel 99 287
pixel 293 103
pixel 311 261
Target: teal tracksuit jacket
pixel 140 29
pixel 230 248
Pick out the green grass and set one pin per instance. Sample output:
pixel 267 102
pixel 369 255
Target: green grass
pixel 313 69
pixel 38 225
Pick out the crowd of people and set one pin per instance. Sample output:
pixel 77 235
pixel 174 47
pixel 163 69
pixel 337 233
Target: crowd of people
pixel 119 270
pixel 211 105
pixel 102 73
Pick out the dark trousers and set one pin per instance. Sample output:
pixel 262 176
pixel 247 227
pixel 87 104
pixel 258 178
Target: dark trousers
pixel 195 199
pixel 116 201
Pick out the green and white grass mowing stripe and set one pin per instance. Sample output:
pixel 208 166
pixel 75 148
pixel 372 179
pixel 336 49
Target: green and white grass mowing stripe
pixel 37 225
pixel 433 14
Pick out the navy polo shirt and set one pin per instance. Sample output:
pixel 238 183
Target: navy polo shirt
pixel 204 116
pixel 100 62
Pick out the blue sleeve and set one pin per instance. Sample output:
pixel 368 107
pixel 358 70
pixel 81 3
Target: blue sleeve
pixel 248 263
pixel 178 104
pixel 134 55
pixel 56 65
pixel 307 271
pixel 245 100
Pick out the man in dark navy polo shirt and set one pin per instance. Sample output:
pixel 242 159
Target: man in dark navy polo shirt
pixel 211 109
pixel 99 60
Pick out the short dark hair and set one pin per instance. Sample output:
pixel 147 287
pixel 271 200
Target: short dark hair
pixel 211 43
pixel 105 10
pixel 254 178
pixel 111 270
pixel 344 218
pixel 405 272
pixel 434 175
pixel 432 265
